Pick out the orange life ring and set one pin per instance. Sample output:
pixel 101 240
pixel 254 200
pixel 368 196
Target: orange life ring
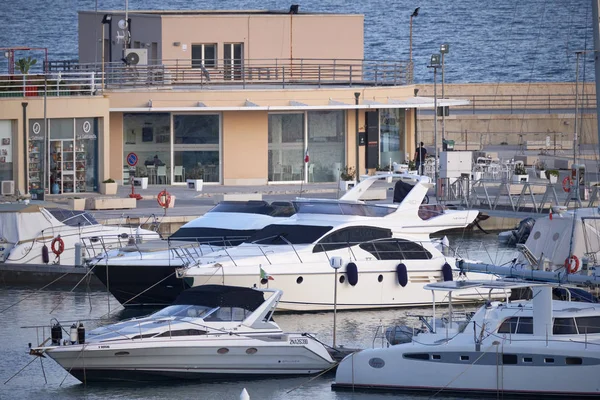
pixel 164 199
pixel 567 183
pixel 572 264
pixel 58 250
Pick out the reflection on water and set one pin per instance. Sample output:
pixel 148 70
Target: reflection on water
pixel 26 307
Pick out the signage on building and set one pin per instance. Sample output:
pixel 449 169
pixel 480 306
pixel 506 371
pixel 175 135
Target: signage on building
pixel 132 159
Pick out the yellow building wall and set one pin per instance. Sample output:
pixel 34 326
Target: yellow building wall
pixel 116 157
pixel 56 107
pixel 245 148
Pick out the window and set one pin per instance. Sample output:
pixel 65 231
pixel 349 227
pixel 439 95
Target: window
pixel 588 325
pixel 349 237
pixel 288 234
pixel 509 359
pixel 527 359
pixel 525 325
pixel 573 361
pixel 417 356
pixel 564 326
pixel 204 54
pixel 464 358
pixel 509 325
pixel 396 249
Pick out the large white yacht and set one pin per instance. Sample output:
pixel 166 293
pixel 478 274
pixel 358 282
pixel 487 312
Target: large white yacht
pixel 540 347
pixel 208 333
pixel 31 233
pixel 383 252
pixel 144 274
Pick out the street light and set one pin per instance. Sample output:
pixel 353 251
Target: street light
pixel 106 19
pixel 435 64
pixel 444 49
pixel 336 263
pixel 414 14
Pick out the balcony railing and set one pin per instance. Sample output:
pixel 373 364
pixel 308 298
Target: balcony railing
pixel 278 72
pixel 53 84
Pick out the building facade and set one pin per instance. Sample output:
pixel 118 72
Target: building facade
pixel 235 98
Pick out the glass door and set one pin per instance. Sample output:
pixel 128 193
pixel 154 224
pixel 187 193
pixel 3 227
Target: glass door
pixel 286 147
pixel 233 60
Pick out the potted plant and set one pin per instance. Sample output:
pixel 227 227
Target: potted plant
pixel 109 187
pixel 552 175
pixel 347 178
pixel 541 168
pixel 386 169
pixel 141 177
pixel 194 178
pixel 77 203
pixel 23 65
pixel 520 174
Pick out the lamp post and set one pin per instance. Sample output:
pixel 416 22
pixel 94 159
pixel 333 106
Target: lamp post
pixel 435 64
pixel 575 133
pixel 356 98
pixel 414 14
pixel 444 48
pixel 106 19
pixel 336 263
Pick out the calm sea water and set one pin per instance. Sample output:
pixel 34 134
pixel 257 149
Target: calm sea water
pixel 490 41
pixel 21 307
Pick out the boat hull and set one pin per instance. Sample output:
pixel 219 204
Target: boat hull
pixel 223 356
pixel 140 285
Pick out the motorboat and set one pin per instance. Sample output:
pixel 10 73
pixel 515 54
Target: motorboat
pixel 539 347
pixel 564 240
pixel 40 233
pixel 382 254
pixel 208 333
pixel 519 234
pixel 144 274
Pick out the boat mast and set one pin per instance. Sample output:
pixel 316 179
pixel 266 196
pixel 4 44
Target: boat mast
pixel 596 26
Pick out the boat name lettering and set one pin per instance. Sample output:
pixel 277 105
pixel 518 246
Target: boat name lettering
pixel 298 341
pixel 104 347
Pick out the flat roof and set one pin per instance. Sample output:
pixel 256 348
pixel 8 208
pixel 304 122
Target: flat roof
pixel 210 12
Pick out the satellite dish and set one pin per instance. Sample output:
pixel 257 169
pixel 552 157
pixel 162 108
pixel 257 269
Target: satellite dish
pixel 122 24
pixel 132 58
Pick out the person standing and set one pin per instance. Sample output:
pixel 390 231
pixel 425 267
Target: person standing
pixel 420 155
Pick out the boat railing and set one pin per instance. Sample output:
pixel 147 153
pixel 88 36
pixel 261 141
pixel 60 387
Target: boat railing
pixel 381 249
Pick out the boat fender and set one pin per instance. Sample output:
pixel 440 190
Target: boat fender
pixel 81 334
pixel 56 333
pixel 73 334
pixel 352 272
pixel 402 275
pixel 45 255
pixel 447 272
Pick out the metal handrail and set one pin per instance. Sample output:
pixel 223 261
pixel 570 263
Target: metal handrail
pixel 52 84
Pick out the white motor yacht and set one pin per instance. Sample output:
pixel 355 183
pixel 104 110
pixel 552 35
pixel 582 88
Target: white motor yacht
pixel 208 333
pixel 144 274
pixel 384 254
pixel 31 233
pixel 539 347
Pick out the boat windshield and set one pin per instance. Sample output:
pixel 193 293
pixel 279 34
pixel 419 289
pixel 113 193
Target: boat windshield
pixel 289 234
pixel 72 217
pixel 275 209
pixel 340 208
pixel 184 310
pixel 213 236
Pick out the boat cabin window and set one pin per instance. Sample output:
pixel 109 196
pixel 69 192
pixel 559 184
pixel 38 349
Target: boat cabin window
pixel 73 217
pixel 288 234
pixel 351 236
pixel 588 325
pixel 519 325
pixel 182 332
pixel 213 236
pixel 340 208
pixel 183 311
pixel 228 314
pixel 277 208
pixel 396 249
pixel 564 326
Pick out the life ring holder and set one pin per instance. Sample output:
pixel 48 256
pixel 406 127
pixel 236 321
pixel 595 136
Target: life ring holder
pixel 572 264
pixel 164 199
pixel 567 183
pixel 58 250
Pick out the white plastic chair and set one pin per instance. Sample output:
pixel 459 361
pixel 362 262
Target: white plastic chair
pixel 161 172
pixel 178 172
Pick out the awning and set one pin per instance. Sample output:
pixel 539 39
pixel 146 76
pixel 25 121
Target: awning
pixel 250 105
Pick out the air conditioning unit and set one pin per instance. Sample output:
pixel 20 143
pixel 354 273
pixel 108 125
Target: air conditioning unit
pixel 8 188
pixel 136 56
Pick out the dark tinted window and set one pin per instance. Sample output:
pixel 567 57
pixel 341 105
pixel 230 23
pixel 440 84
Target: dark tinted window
pixel 564 326
pixel 525 325
pixel 275 209
pixel 72 217
pixel 588 325
pixel 338 208
pixel 417 356
pixel 350 236
pixel 288 234
pixel 509 358
pixel 509 325
pixel 413 251
pixel 214 236
pixel 396 249
pixel 183 332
